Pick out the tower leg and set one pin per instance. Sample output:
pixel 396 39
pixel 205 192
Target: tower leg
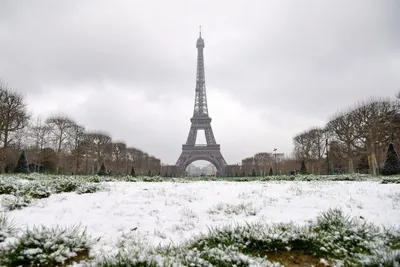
pixel 191 140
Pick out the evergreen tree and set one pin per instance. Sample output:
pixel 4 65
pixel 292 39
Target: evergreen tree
pixel 22 164
pixel 102 170
pixel 253 173
pixel 271 172
pixel 149 173
pixel 392 164
pixel 303 169
pixel 133 174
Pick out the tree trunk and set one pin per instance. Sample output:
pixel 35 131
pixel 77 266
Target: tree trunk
pixel 4 151
pixel 374 163
pixel 87 164
pixel 58 152
pixel 369 164
pixel 351 168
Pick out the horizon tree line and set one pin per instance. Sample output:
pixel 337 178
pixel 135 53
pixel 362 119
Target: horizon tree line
pixel 60 145
pixel 353 140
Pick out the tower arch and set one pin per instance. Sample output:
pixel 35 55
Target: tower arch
pixel 190 160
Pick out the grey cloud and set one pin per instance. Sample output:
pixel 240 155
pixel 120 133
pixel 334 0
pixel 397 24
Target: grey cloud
pixel 309 58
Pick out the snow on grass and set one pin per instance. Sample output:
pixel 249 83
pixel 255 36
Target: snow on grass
pixel 43 246
pixel 172 212
pixel 19 191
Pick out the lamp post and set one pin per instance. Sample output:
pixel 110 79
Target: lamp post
pixel 276 171
pixel 327 155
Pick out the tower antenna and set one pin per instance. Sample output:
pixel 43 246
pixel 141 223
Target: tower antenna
pixel 200 31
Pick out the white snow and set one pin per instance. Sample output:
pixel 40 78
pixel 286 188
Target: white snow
pixel 173 212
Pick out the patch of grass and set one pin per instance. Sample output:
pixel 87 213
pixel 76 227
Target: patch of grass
pixel 11 202
pixel 86 188
pixel 9 186
pixel 65 185
pixel 20 193
pixel 39 189
pixel 293 258
pixel 127 178
pixel 382 258
pixel 258 239
pixel 334 236
pixel 234 209
pixel 345 238
pixel 332 239
pixel 143 255
pixel 153 179
pixel 7 227
pixel 94 179
pixel 43 246
pixel 391 180
pixel 227 256
pixel 392 238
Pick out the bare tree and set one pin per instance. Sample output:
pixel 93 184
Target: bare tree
pixel 139 160
pixel 303 147
pixel 87 148
pixel 343 129
pixel 263 161
pixel 60 127
pixel 130 158
pixel 100 144
pixel 13 117
pixel 77 139
pixel 38 135
pixel 60 145
pixel 119 154
pixel 318 137
pixel 373 128
pixel 248 165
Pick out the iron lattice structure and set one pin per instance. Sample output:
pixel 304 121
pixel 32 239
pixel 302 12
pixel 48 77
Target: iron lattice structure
pixel 211 151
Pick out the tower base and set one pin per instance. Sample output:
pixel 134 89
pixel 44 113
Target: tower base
pixel 210 153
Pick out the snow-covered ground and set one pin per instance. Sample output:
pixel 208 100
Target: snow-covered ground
pixel 173 212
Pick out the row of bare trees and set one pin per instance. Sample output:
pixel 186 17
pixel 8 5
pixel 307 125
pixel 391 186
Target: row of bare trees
pixel 261 163
pixel 60 145
pixel 355 140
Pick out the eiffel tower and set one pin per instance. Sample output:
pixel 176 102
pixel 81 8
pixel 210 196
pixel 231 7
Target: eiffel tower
pixel 201 121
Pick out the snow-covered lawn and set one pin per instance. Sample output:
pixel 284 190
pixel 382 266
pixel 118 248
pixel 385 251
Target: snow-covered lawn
pixel 170 212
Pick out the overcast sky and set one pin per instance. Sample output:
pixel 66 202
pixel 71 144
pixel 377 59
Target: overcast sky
pixel 273 68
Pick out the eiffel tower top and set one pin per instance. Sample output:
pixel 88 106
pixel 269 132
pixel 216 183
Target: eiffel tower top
pixel 200 104
pixel 200 41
